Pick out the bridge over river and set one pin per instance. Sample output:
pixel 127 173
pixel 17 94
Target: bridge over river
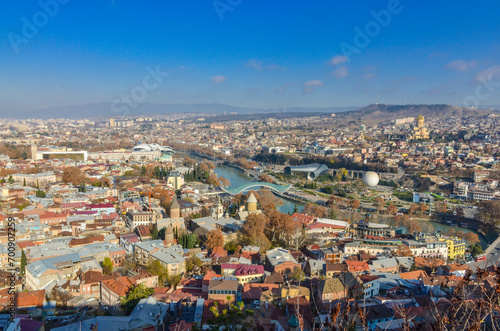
pixel 275 188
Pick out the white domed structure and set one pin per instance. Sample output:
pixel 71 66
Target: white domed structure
pixel 371 178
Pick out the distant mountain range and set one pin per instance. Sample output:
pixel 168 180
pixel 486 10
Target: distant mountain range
pixel 107 110
pixel 377 113
pixel 374 113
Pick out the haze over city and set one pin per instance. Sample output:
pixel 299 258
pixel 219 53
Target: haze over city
pixel 252 54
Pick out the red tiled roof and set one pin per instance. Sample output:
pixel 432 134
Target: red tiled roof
pixel 302 218
pixel 368 278
pixel 357 266
pixel 24 244
pixel 219 251
pixel 31 299
pixel 121 285
pixel 413 274
pixel 94 276
pixel 86 240
pixel 50 214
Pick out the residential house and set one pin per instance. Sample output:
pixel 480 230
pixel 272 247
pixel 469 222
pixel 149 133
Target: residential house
pixel 112 290
pixel 330 255
pixel 331 289
pixel 371 285
pixel 224 290
pixel 280 260
pixel 243 272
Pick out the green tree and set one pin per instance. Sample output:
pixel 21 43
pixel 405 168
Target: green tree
pixel 234 318
pixel 188 240
pixel 332 214
pixel 107 266
pixel 40 194
pixel 11 180
pixel 134 295
pixel 193 262
pixel 154 232
pixel 297 274
pixel 23 262
pixel 161 233
pixel 156 268
pixel 476 249
pixel 24 182
pixel 173 281
pixel 231 246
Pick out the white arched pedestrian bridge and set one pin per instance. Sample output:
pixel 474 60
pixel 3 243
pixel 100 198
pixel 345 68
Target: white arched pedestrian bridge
pixel 279 189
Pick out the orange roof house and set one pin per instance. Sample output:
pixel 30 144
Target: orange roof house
pixel 413 274
pixel 32 299
pixel 357 266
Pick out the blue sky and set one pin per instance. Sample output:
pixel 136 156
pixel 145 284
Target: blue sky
pixel 262 54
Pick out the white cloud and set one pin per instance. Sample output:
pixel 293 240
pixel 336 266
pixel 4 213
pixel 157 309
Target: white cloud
pixel 313 83
pixel 258 65
pixel 340 72
pixel 461 65
pixel 218 79
pixel 338 59
pixel 254 64
pixel 491 75
pixel 309 86
pixel 369 75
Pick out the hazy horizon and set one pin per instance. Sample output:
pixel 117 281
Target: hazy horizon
pixel 254 55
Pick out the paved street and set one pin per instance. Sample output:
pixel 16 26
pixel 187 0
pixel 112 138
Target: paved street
pixel 492 254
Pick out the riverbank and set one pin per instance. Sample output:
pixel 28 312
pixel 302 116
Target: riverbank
pixel 238 176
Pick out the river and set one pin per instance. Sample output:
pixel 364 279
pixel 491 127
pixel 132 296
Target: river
pixel 443 228
pixel 238 177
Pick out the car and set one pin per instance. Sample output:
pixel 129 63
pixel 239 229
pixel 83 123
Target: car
pixel 494 253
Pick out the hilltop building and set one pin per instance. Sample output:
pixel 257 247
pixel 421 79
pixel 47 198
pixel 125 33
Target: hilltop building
pixel 420 131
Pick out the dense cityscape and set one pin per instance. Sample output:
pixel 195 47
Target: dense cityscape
pixel 273 223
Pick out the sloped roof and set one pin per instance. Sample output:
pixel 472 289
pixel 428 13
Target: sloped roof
pixel 331 285
pixel 120 286
pixel 252 198
pixel 223 284
pixel 31 299
pixel 175 204
pixel 413 274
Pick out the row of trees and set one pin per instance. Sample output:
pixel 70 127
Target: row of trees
pixel 202 173
pixel 154 171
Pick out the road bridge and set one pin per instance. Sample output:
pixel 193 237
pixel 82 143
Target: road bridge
pixel 275 188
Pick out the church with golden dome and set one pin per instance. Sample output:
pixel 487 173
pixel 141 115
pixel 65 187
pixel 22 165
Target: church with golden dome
pixel 420 130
